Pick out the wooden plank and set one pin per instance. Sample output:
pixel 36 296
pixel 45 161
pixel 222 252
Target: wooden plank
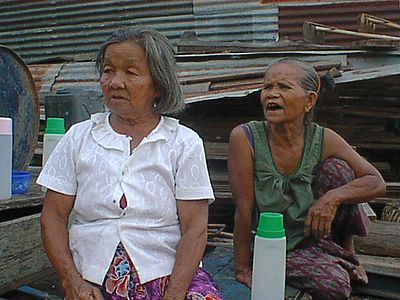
pixel 313 32
pixel 382 44
pixel 384 200
pixel 368 210
pixel 216 150
pixel 383 277
pixel 376 146
pixel 383 239
pixel 22 254
pixel 389 266
pixel 366 23
pixel 366 111
pixel 393 189
pixel 368 73
pixel 33 198
pixel 379 287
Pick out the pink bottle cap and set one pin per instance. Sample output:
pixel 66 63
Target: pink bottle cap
pixel 5 125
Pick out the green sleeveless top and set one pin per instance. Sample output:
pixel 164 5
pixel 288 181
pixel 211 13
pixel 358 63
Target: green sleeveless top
pixel 291 195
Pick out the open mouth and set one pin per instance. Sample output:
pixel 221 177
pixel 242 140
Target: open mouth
pixel 274 106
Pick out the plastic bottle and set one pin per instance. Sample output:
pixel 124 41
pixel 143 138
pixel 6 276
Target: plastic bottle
pixel 269 261
pixel 55 130
pixel 6 152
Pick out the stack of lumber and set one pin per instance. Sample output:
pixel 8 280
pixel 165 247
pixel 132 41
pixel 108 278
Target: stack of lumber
pixel 379 251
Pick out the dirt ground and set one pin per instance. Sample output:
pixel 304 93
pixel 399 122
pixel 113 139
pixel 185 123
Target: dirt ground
pixel 49 288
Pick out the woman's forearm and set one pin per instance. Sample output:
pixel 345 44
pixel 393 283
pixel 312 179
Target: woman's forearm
pixel 242 239
pixel 189 254
pixel 359 190
pixel 56 244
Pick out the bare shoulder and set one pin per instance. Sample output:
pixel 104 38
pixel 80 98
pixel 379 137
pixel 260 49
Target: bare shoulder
pixel 238 141
pixel 237 132
pixel 335 145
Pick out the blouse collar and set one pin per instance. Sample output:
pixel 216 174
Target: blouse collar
pixel 105 135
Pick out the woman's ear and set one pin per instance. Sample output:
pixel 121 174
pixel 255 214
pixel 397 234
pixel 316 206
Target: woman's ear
pixel 311 101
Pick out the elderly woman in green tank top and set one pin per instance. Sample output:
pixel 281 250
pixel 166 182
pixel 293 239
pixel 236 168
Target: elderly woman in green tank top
pixel 291 165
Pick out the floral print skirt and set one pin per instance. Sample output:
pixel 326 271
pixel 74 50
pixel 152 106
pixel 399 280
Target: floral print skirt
pixel 122 283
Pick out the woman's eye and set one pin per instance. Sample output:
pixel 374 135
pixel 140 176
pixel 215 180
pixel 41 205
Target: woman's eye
pixel 284 86
pixel 131 72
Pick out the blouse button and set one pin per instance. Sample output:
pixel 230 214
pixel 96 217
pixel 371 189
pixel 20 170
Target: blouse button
pixel 114 201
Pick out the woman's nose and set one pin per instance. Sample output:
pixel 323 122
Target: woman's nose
pixel 272 93
pixel 117 81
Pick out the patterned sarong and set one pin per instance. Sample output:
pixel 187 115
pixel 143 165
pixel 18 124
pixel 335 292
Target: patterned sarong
pixel 322 267
pixel 122 283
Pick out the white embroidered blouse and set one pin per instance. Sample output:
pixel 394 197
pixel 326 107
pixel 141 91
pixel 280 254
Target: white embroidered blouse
pixel 94 163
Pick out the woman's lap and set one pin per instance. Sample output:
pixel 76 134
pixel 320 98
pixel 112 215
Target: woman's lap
pixel 122 283
pixel 322 267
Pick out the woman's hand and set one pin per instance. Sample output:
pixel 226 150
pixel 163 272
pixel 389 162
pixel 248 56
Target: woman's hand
pixel 79 289
pixel 320 217
pixel 244 277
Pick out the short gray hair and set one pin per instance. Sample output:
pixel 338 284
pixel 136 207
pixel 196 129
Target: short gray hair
pixel 310 80
pixel 161 59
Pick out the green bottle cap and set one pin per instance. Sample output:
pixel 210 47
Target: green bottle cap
pixel 55 126
pixel 271 225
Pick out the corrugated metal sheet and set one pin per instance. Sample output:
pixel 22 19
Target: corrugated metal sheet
pixel 343 15
pixel 46 29
pixel 215 76
pixel 235 20
pixel 43 30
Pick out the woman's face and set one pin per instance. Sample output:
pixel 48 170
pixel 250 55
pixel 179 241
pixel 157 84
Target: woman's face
pixel 126 81
pixel 282 97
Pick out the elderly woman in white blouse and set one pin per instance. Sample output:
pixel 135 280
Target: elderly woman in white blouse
pixel 126 210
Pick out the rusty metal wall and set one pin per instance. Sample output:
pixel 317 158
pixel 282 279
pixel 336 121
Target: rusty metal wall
pixel 341 14
pixel 44 30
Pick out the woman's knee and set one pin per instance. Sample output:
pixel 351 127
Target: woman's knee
pixel 334 289
pixel 330 174
pixel 325 280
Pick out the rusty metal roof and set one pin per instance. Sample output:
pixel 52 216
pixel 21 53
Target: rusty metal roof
pixel 43 30
pixel 213 76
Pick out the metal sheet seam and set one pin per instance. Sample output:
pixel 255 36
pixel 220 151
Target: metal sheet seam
pixel 57 75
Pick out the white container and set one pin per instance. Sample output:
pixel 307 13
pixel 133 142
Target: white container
pixel 55 130
pixel 269 260
pixel 6 153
